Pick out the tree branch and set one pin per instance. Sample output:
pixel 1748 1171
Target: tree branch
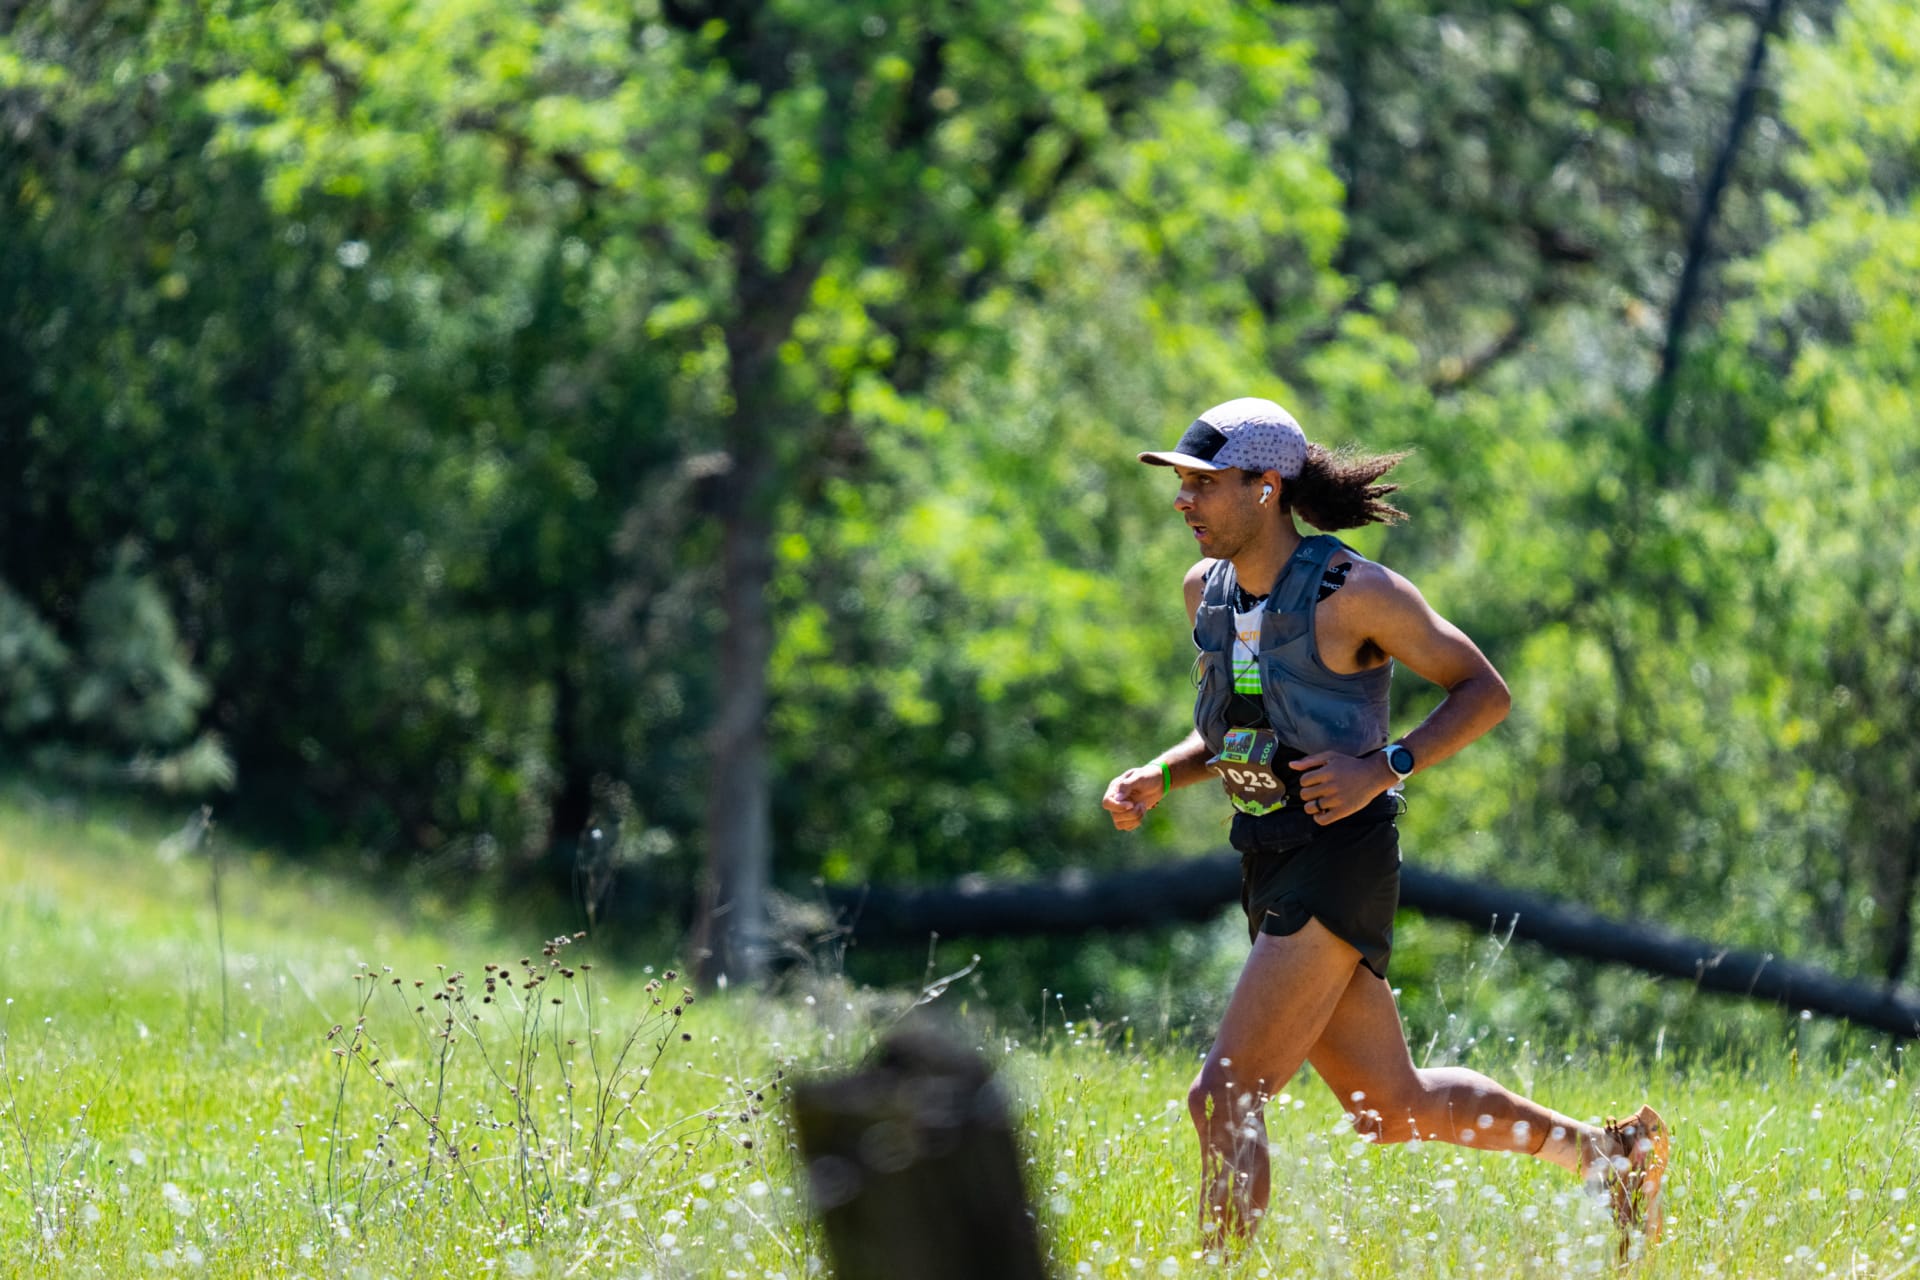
pixel 346 85
pixel 918 116
pixel 1458 374
pixel 1680 315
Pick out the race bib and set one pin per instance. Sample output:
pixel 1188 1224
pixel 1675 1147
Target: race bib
pixel 1245 764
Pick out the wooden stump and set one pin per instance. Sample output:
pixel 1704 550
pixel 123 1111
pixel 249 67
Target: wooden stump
pixel 912 1166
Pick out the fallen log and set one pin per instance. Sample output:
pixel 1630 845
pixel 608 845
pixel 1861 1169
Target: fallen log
pixel 1196 889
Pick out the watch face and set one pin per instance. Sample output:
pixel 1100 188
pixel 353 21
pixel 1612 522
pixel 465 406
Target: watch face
pixel 1399 759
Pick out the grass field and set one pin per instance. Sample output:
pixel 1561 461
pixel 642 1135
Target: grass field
pixel 197 1093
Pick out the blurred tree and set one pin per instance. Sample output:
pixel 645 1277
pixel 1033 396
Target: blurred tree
pixel 885 172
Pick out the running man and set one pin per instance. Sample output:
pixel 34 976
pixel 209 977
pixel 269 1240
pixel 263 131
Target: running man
pixel 1297 637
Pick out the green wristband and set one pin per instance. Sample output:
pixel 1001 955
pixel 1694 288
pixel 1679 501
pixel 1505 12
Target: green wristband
pixel 1166 780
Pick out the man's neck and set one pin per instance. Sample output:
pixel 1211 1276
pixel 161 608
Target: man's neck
pixel 1259 564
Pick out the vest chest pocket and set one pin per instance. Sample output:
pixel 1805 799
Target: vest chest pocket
pixel 1303 672
pixel 1213 685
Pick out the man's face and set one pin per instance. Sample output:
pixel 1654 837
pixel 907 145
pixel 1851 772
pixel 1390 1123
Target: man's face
pixel 1221 507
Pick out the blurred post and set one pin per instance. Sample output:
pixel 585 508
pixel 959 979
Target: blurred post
pixel 912 1165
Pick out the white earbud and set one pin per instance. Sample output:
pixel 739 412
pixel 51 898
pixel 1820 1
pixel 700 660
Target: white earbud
pixel 1266 491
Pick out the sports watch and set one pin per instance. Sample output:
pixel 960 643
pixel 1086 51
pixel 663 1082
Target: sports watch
pixel 1399 759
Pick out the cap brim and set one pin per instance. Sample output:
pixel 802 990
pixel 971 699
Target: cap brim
pixel 1172 459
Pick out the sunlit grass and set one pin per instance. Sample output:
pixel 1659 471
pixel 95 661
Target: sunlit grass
pixel 151 1126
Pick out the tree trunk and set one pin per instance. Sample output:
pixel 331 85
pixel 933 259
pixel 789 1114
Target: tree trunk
pixel 729 939
pixel 730 932
pixel 571 807
pixel 1906 883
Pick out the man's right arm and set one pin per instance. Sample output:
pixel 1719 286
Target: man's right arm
pixel 1130 795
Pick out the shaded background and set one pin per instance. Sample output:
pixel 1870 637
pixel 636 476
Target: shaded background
pixel 634 455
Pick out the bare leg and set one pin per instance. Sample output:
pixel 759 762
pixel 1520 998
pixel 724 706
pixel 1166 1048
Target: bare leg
pixel 1362 1055
pixel 1288 990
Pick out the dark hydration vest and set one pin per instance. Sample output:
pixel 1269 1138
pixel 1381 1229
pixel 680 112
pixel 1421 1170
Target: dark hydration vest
pixel 1310 708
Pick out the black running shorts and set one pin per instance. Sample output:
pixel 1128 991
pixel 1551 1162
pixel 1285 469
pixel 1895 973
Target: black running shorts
pixel 1345 875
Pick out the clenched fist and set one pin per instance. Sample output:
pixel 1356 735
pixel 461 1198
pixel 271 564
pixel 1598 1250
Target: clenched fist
pixel 1130 795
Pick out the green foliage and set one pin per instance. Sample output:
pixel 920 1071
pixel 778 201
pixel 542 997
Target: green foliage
pixel 125 705
pixel 134 685
pixel 378 457
pixel 33 664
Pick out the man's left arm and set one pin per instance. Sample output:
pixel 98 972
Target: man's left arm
pixel 1396 618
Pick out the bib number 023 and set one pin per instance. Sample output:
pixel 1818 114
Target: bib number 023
pixel 1258 782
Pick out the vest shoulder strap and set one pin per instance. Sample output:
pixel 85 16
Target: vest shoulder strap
pixel 1218 583
pixel 1299 587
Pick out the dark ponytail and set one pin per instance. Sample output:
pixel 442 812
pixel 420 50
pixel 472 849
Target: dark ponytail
pixel 1335 489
